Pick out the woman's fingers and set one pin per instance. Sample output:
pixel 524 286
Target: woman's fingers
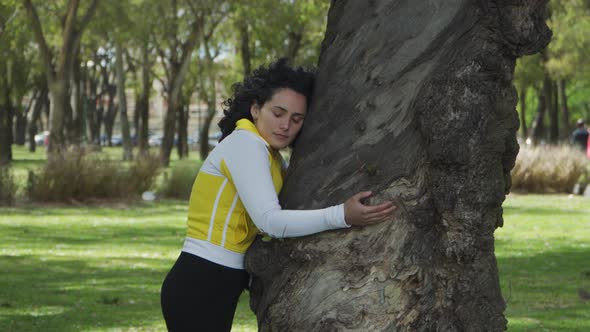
pixel 357 213
pixel 381 213
pixel 377 208
pixel 361 195
pixel 379 216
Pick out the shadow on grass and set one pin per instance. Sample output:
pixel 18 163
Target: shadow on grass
pixel 541 289
pixel 38 294
pixel 133 209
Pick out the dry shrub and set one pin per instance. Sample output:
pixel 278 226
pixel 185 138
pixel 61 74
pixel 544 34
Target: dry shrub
pixel 142 174
pixel 549 169
pixel 7 186
pixel 178 182
pixel 76 176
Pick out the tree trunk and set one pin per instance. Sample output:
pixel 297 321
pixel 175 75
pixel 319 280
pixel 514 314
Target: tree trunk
pixel 34 116
pixel 92 120
pixel 538 127
pixel 182 143
pixel 20 125
pixel 6 116
pixel 294 44
pixel 245 46
pixel 211 96
pixel 143 103
pixel 58 73
pixel 59 100
pixel 75 133
pixel 565 113
pixel 178 65
pixel 204 130
pixel 125 133
pixel 426 117
pixel 523 126
pixel 110 115
pixel 549 91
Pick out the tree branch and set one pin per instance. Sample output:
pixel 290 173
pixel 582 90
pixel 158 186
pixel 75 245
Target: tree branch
pixel 3 25
pixel 46 55
pixel 87 16
pixel 187 50
pixel 68 35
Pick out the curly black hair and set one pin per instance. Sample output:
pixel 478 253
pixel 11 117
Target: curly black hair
pixel 259 87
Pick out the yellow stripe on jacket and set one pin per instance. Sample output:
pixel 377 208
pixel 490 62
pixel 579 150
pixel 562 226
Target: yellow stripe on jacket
pixel 216 213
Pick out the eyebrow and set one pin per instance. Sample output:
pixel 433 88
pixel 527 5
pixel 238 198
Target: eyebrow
pixel 285 110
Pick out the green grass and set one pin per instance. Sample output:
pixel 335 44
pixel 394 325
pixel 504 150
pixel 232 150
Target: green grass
pixel 100 268
pixel 543 256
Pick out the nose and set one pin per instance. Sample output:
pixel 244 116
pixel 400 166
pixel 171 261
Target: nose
pixel 284 124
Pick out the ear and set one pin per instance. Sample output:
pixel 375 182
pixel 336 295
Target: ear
pixel 255 111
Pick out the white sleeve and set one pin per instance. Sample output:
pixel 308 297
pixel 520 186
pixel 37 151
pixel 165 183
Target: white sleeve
pixel 248 163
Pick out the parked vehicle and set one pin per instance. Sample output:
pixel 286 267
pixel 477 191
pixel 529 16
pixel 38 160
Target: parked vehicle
pixel 42 138
pixel 155 140
pixel 214 139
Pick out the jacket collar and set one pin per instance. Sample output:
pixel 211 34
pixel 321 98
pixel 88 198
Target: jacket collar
pixel 246 124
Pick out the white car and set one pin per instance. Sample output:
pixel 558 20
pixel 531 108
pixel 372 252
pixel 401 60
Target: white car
pixel 41 139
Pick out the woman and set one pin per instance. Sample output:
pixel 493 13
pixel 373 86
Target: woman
pixel 234 197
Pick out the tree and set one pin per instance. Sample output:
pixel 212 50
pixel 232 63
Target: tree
pixel 265 31
pixel 127 148
pixel 17 68
pixel 176 52
pixel 529 71
pixel 59 67
pixel 425 108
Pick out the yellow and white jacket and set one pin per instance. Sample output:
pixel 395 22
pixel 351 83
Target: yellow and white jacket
pixel 234 197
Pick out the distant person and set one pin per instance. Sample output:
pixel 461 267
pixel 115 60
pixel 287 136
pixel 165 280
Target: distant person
pixel 234 198
pixel 580 136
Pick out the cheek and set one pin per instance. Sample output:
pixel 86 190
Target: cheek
pixel 297 127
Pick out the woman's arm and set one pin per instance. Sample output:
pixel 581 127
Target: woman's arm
pixel 248 163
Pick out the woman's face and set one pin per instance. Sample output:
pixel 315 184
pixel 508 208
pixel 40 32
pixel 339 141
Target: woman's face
pixel 279 120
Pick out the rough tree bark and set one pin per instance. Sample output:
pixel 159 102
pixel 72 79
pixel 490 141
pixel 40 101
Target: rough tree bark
pixel 426 117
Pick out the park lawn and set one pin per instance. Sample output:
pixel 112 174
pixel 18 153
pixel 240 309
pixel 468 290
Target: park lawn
pixel 100 268
pixel 543 254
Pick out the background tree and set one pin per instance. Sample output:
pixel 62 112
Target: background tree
pixel 266 30
pixel 17 70
pixel 180 36
pixel 144 17
pixel 553 89
pixel 426 116
pixel 59 65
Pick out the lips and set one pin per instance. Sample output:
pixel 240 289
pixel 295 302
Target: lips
pixel 282 137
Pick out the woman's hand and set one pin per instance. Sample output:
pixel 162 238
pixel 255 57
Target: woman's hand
pixel 358 214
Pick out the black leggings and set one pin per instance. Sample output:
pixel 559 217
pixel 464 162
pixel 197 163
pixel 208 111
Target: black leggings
pixel 199 295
